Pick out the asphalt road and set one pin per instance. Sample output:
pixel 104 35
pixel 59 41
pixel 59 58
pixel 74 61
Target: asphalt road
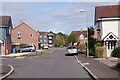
pixel 53 65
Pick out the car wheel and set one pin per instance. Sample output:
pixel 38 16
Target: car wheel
pixel 31 50
pixel 20 51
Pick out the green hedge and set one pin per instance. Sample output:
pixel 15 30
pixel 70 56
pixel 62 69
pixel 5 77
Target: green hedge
pixel 116 52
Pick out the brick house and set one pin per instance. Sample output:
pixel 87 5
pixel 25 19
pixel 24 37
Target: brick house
pixel 5 35
pixel 107 29
pixel 81 35
pixel 24 34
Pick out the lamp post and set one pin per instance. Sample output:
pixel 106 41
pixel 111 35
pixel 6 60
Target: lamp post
pixel 83 11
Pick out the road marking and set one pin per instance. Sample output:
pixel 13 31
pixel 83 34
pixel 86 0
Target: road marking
pixel 86 63
pixel 12 69
pixel 94 76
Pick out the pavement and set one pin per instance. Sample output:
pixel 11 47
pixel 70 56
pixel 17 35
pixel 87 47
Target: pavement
pixel 100 68
pixel 12 55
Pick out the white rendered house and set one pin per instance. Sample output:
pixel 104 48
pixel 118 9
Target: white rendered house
pixel 107 19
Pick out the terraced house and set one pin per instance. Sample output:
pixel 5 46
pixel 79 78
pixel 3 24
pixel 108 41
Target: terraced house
pixel 107 19
pixel 24 34
pixel 5 35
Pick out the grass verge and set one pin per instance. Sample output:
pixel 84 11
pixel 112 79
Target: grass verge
pixel 41 53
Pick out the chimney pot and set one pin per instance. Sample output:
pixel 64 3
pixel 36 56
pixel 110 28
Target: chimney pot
pixel 21 21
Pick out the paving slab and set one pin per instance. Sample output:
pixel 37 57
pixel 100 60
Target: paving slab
pixel 99 69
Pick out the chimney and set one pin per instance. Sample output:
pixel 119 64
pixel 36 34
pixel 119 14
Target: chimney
pixel 21 21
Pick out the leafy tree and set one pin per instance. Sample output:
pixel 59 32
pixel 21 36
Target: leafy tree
pixel 91 41
pixel 59 41
pixel 72 38
pixel 66 40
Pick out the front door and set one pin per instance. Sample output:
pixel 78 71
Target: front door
pixel 110 47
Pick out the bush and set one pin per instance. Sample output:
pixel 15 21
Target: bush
pixel 116 52
pixel 99 51
pixel 91 52
pixel 118 66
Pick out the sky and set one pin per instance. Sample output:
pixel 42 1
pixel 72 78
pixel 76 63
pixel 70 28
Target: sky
pixel 52 16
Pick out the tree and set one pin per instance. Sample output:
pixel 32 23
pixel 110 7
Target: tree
pixel 59 41
pixel 72 38
pixel 91 41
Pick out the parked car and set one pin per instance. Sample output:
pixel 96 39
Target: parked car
pixel 45 47
pixel 26 48
pixel 71 50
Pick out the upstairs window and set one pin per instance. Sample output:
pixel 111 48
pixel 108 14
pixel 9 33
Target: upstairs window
pixel 19 35
pixel 45 40
pixel 31 35
pixel 40 36
pixel 50 37
pixel 45 37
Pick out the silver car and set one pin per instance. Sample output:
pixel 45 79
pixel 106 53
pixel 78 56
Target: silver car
pixel 26 48
pixel 71 50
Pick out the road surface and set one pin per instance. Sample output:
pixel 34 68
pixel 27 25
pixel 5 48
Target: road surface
pixel 53 65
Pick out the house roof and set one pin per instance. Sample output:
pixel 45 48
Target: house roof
pixel 109 11
pixel 78 33
pixel 108 36
pixel 26 25
pixel 5 21
pixel 42 33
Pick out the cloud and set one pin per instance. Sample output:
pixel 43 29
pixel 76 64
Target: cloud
pixel 51 16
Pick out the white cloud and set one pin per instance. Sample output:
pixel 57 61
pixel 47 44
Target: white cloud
pixel 64 17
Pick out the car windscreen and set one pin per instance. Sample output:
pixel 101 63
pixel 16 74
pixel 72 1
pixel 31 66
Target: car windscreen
pixel 71 47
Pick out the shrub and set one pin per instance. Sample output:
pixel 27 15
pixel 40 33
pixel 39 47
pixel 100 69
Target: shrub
pixel 118 66
pixel 99 51
pixel 116 52
pixel 91 52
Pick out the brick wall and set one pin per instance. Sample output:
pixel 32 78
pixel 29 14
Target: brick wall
pixel 25 37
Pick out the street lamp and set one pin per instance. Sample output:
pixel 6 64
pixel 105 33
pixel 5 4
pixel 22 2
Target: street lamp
pixel 83 11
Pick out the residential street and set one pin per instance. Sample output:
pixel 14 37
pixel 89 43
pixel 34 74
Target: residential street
pixel 53 65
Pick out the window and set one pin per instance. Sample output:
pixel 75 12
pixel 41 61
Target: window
pixel 50 41
pixel 50 37
pixel 40 36
pixel 3 31
pixel 31 35
pixel 45 40
pixel 19 35
pixel 45 37
pixel 41 40
pixel 9 31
